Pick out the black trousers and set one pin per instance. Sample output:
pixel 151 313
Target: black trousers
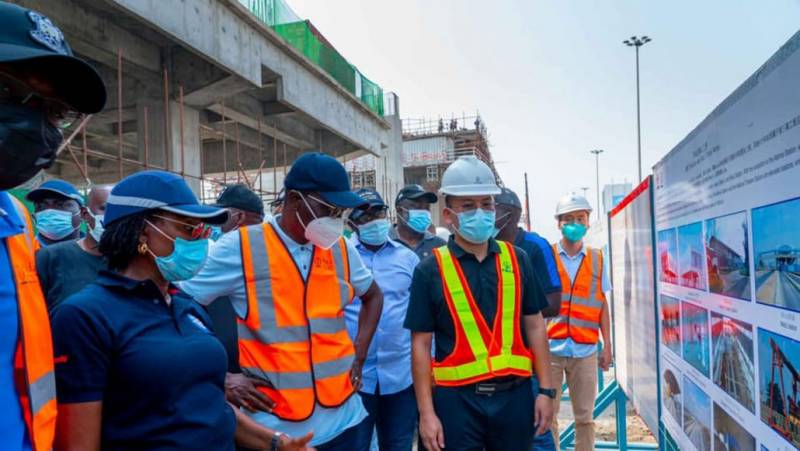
pixel 502 421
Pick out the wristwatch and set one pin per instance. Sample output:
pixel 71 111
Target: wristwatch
pixel 549 392
pixel 276 441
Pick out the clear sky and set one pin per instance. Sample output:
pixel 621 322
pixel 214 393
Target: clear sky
pixel 553 80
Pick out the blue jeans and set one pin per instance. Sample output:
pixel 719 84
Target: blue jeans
pixel 544 441
pixel 346 441
pixel 394 416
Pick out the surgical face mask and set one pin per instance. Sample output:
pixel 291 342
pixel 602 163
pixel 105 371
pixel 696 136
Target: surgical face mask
pixel 503 225
pixel 185 261
pixel 573 231
pixel 97 231
pixel 374 232
pixel 418 220
pixel 54 224
pixel 476 226
pixel 322 232
pixel 28 144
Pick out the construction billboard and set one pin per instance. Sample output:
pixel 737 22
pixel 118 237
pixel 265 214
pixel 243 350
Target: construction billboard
pixel 727 205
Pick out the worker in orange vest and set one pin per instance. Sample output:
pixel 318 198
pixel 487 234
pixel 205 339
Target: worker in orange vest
pixel 289 281
pixel 584 315
pixel 480 300
pixel 43 89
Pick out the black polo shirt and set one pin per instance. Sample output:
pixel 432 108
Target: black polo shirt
pixel 427 309
pixel 157 368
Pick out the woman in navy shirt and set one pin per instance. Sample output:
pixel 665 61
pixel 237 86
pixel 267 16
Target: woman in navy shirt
pixel 137 365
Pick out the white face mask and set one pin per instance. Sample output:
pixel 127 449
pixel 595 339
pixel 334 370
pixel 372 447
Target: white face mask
pixel 97 231
pixel 322 232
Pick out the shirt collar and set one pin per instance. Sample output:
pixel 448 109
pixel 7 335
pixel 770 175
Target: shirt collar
pixel 561 250
pixel 291 244
pixel 360 246
pixel 141 287
pixel 459 252
pixel 427 236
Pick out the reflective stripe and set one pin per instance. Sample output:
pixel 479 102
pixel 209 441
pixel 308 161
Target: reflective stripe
pixel 333 367
pixel 589 302
pixel 509 296
pixel 461 304
pixel 461 372
pixel 512 361
pixel 595 274
pixel 281 380
pixel 130 201
pixel 42 391
pixel 339 263
pixel 583 323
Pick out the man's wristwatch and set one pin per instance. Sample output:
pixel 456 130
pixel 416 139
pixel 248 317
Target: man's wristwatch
pixel 276 441
pixel 549 392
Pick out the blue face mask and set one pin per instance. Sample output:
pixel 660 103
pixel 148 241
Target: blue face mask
pixel 419 220
pixel 186 259
pixel 216 233
pixel 374 232
pixel 573 232
pixel 97 231
pixel 476 226
pixel 54 224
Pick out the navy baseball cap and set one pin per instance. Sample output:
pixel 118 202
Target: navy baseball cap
pixel 414 192
pixel 323 174
pixel 241 197
pixel 507 197
pixel 158 190
pixel 29 37
pixel 373 199
pixel 55 186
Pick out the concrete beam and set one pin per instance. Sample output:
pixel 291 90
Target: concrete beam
pixel 214 91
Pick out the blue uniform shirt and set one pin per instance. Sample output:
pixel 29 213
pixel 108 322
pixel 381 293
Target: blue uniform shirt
pixel 156 366
pixel 567 347
pixel 13 434
pixel 388 364
pixel 222 276
pixel 541 254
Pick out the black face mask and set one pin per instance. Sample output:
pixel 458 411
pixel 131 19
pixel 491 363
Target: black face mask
pixel 28 144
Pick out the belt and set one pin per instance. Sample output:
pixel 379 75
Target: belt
pixel 496 385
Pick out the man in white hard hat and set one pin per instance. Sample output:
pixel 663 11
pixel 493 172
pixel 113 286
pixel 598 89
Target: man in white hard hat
pixel 584 315
pixel 480 300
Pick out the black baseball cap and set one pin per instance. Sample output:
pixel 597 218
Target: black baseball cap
pixel 414 192
pixel 508 198
pixel 239 196
pixel 27 36
pixel 321 173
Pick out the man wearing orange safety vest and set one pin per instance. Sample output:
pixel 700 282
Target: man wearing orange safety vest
pixel 480 300
pixel 575 332
pixel 289 281
pixel 43 89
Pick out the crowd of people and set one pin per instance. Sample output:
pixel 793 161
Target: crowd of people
pixel 136 317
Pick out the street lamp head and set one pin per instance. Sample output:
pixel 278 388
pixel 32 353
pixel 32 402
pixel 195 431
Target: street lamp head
pixel 627 42
pixel 646 39
pixel 596 151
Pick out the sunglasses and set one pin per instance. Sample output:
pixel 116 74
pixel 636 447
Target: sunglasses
pixel 16 91
pixel 196 231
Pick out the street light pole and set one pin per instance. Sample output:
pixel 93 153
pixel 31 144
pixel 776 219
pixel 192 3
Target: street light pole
pixel 597 153
pixel 636 42
pixel 585 188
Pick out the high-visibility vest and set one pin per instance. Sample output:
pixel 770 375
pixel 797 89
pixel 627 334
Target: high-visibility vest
pixel 581 300
pixel 481 353
pixel 33 358
pixel 294 334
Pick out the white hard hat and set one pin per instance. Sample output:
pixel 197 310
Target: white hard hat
pixel 572 202
pixel 468 176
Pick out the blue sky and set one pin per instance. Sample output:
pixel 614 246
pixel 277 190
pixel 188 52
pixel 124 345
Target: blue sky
pixel 772 226
pixel 553 80
pixel 668 239
pixel 789 347
pixel 690 237
pixel 697 401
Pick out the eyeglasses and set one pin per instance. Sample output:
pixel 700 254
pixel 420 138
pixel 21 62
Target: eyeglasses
pixel 196 231
pixel 58 112
pixel 371 214
pixel 335 212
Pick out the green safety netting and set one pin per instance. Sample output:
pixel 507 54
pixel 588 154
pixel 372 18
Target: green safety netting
pixel 303 36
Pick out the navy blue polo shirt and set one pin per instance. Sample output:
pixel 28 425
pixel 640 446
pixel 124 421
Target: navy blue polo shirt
pixel 157 368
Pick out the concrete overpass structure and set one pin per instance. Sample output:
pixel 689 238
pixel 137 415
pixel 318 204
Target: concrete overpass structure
pixel 204 88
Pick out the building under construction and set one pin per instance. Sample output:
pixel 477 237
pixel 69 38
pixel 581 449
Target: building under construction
pixel 218 91
pixel 429 146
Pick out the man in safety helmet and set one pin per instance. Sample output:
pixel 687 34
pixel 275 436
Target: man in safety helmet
pixel 43 89
pixel 481 302
pixel 584 315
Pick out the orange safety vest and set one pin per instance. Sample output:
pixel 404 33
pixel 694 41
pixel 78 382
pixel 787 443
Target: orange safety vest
pixel 294 334
pixel 33 359
pixel 480 353
pixel 581 300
